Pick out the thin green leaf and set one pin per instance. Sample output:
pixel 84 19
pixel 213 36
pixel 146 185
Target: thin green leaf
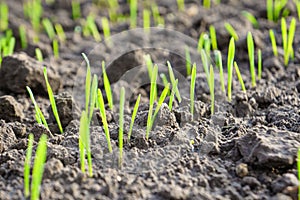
pixel 134 113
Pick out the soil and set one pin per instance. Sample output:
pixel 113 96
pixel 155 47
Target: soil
pixel 246 150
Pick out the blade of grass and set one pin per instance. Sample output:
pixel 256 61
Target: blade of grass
pixel 93 96
pixel 107 87
pixel 27 166
pixel 105 27
pixel 121 125
pixel 180 5
pixel 133 13
pixel 259 60
pixel 38 167
pixel 38 54
pixel 290 50
pixel 83 129
pixel 146 19
pixel 171 99
pixel 230 59
pixel 76 12
pixel 250 17
pixel 188 61
pixel 49 28
pixel 238 73
pixel 212 89
pixel 160 102
pixel 55 47
pixel 231 31
pixel 273 42
pixel 52 101
pixel 250 45
pixel 219 64
pixel 172 79
pixel 213 37
pixel 60 33
pixel 192 88
pixel 87 82
pixel 104 121
pixel 23 38
pixel 135 109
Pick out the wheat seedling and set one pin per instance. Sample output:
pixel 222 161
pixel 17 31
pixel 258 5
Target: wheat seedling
pixel 212 89
pixel 172 79
pixel 107 87
pixel 134 112
pixel 121 125
pixel 238 73
pixel 219 64
pixel 230 59
pixel 231 31
pixel 192 88
pixel 250 44
pixel 213 37
pixel 273 42
pixel 38 54
pixel 259 65
pixel 27 166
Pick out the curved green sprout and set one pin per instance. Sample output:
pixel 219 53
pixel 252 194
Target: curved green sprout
pixel 273 42
pixel 135 109
pixel 250 44
pixel 27 166
pixel 231 31
pixel 172 79
pixel 230 59
pixel 192 88
pixel 121 125
pixel 107 87
pixel 238 73
pixel 212 89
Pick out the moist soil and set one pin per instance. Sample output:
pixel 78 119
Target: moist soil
pixel 246 150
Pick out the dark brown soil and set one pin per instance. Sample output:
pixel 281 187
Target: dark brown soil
pixel 246 150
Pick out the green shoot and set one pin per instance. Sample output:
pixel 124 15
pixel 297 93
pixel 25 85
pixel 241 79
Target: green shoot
pixel 107 87
pixel 92 27
pixel 207 44
pixel 76 12
pixel 158 20
pixel 188 61
pixel 212 89
pixel 105 27
pixel 259 65
pixel 172 78
pixel 206 4
pixel 180 5
pixel 164 79
pixel 34 10
pixel 27 166
pixel 23 38
pixel 201 41
pixel 38 167
pixel 250 17
pixel 297 2
pixel 85 144
pixel 284 37
pixel 60 33
pixel 38 54
pixel 38 113
pixel 288 47
pixel 231 31
pixel 52 101
pixel 250 45
pixel 270 14
pixel 213 37
pixel 273 41
pixel 149 65
pixel 219 64
pixel 192 88
pixel 3 16
pixel 171 99
pixel 146 19
pixel 230 58
pixel 49 28
pixel 121 125
pixel 298 169
pixel 152 98
pixel 205 63
pixel 275 8
pixel 160 102
pixel 87 82
pixel 238 73
pixel 93 97
pixel 104 121
pixel 133 13
pixel 135 109
pixel 55 48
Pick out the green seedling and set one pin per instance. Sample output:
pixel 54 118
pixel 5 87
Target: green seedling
pixel 212 89
pixel 105 27
pixel 38 167
pixel 93 97
pixel 207 44
pixel 250 45
pixel 231 31
pixel 76 11
pixel 27 166
pixel 158 20
pixel 49 28
pixel 133 13
pixel 188 61
pixel 52 101
pixel 219 64
pixel 297 3
pixel 60 33
pixel 38 113
pixel 151 100
pixel 160 102
pixel 269 6
pixel 107 87
pixel 238 73
pixel 173 80
pixel 121 125
pixel 164 79
pixel 104 121
pixel 230 59
pixel 92 28
pixel 259 65
pixel 38 54
pixel 205 64
pixel 34 11
pixel 87 82
pixel 55 47
pixel 135 109
pixel 201 41
pixel 149 65
pixel 113 7
pixel 275 8
pixel 3 16
pixel 206 4
pixel 85 144
pixel 251 18
pixel 180 5
pixel 213 37
pixel 288 39
pixel 298 169
pixel 171 99
pixel 146 19
pixel 23 38
pixel 273 42
pixel 192 88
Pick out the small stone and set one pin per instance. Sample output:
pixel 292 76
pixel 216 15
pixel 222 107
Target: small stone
pixel 251 181
pixel 241 170
pixel 10 109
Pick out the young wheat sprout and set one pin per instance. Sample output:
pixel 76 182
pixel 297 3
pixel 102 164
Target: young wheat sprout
pixel 230 59
pixel 171 99
pixel 238 73
pixel 107 87
pixel 219 64
pixel 192 88
pixel 250 44
pixel 212 89
pixel 121 125
pixel 172 78
pixel 135 109
pixel 27 166
pixel 273 42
